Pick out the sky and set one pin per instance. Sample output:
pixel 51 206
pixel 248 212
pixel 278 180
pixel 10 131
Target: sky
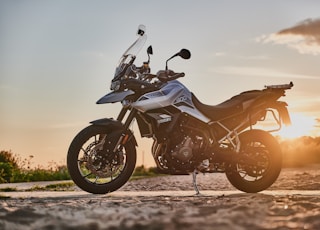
pixel 57 59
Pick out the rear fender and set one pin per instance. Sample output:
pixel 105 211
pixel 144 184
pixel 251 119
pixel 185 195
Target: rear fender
pixel 281 107
pixel 114 125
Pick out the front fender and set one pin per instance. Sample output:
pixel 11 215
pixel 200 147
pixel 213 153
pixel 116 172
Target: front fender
pixel 109 123
pixel 114 125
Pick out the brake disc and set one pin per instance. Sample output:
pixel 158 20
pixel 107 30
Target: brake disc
pixel 101 160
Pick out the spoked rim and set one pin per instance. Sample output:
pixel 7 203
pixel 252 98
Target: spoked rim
pixel 97 161
pixel 258 153
pixel 258 164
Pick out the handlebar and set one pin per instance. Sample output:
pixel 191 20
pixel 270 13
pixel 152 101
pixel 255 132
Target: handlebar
pixel 168 75
pixel 176 76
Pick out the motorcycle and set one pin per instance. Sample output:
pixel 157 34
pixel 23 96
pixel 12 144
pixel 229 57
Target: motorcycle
pixel 188 136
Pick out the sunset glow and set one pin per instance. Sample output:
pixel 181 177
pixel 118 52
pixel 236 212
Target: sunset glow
pixel 302 125
pixel 57 59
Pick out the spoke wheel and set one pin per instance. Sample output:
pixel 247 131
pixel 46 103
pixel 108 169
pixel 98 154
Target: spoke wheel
pixel 259 164
pixel 94 165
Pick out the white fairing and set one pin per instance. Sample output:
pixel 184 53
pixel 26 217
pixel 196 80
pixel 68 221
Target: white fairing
pixel 114 97
pixel 172 94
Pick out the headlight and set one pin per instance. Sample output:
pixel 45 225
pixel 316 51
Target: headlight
pixel 115 85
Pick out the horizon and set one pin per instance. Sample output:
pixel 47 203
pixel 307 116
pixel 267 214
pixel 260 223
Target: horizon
pixel 297 152
pixel 58 58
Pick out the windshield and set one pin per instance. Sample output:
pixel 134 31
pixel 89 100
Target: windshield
pixel 134 49
pixel 130 54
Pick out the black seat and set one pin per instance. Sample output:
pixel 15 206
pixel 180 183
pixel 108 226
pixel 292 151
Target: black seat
pixel 227 108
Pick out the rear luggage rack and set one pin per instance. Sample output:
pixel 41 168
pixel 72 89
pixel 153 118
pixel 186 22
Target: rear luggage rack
pixel 284 86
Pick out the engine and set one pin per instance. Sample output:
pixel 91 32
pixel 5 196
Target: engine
pixel 183 151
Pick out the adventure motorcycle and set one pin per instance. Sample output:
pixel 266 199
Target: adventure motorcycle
pixel 188 136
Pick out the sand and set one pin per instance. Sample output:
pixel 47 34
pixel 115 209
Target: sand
pixel 168 202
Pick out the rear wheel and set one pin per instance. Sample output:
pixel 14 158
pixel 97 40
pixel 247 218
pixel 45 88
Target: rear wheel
pixel 260 162
pixel 94 165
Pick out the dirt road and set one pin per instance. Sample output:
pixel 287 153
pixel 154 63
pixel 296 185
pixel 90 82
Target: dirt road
pixel 293 202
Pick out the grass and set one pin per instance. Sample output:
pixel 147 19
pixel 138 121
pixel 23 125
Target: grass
pixel 133 177
pixel 8 189
pixel 13 170
pixel 66 186
pixel 40 174
pixel 140 173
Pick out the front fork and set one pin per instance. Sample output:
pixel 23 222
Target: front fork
pixel 127 134
pixel 117 126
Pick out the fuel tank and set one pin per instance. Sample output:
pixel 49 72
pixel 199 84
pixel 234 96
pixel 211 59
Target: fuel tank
pixel 173 94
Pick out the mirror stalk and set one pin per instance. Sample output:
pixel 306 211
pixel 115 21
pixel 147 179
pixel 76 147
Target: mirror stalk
pixel 184 53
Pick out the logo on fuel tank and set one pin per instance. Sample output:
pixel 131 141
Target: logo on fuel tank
pixel 180 99
pixel 183 100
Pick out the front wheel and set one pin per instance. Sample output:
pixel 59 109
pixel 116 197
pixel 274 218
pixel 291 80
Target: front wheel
pixel 93 164
pixel 259 164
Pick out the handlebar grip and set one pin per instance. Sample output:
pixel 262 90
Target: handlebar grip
pixel 176 76
pixel 166 76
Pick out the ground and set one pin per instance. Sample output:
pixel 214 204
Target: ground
pixel 168 202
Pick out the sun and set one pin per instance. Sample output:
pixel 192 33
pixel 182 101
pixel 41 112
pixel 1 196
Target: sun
pixel 302 125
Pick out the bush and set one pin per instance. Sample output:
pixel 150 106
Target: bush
pixel 300 151
pixel 8 157
pixel 140 171
pixel 13 169
pixel 8 164
pixel 143 171
pixel 6 170
pixel 40 174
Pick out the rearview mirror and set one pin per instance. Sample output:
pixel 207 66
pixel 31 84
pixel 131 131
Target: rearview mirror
pixel 149 50
pixel 184 53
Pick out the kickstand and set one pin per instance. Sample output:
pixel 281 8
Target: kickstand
pixel 194 177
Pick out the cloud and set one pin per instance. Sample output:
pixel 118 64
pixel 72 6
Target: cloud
pixel 65 125
pixel 247 57
pixel 220 54
pixel 303 37
pixel 257 71
pixel 317 123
